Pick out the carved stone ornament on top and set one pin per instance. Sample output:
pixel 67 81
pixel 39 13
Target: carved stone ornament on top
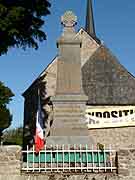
pixel 69 20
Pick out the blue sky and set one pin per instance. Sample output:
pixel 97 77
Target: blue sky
pixel 115 25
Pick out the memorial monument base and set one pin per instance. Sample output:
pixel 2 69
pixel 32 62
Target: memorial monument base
pixel 69 126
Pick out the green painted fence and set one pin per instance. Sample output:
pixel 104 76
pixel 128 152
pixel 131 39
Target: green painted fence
pixel 66 157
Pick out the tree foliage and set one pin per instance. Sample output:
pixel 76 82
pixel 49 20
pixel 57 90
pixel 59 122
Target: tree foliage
pixel 5 116
pixel 21 22
pixel 13 137
pixel 5 95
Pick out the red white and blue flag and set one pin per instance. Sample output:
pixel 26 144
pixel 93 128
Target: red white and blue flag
pixel 39 136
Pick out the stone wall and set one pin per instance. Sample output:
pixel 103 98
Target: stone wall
pixel 119 138
pixel 10 163
pixel 126 162
pixel 10 166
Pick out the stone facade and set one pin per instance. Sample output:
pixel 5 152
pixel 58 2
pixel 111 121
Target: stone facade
pixel 118 138
pixel 89 46
pixel 50 78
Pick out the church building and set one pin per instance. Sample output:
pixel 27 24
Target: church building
pixel 87 96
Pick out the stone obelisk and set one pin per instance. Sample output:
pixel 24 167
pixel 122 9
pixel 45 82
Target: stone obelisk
pixel 69 102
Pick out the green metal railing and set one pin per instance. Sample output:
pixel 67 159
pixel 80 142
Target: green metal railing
pixel 60 156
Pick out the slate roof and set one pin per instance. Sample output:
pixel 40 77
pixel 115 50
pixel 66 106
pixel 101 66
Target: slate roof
pixel 106 81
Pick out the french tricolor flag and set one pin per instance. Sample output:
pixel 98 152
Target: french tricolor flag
pixel 39 136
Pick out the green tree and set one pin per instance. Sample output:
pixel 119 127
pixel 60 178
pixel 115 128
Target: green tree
pixel 21 22
pixel 13 137
pixel 5 116
pixel 5 95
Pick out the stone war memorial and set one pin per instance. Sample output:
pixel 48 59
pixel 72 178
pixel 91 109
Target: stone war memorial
pixel 87 108
pixel 87 96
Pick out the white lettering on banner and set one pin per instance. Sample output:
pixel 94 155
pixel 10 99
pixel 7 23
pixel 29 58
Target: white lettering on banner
pixel 110 116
